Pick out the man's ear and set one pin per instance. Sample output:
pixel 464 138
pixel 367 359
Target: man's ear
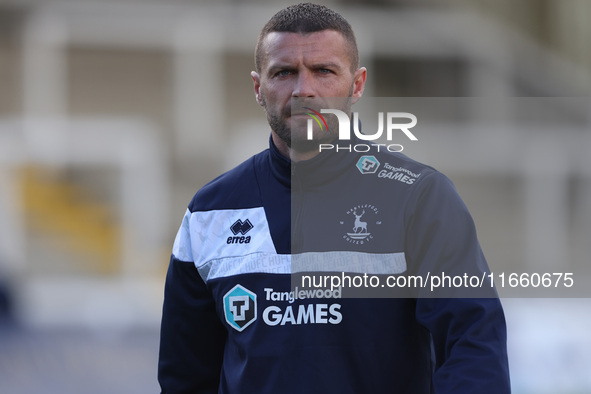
pixel 256 79
pixel 359 79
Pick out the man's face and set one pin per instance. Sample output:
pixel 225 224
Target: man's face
pixel 304 66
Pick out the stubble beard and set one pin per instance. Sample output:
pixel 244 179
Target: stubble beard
pixel 298 142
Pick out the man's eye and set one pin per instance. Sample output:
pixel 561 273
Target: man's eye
pixel 324 71
pixel 283 73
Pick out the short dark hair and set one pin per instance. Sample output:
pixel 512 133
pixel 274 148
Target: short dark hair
pixel 307 18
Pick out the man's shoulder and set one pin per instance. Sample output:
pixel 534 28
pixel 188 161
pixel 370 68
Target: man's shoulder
pixel 234 189
pixel 426 185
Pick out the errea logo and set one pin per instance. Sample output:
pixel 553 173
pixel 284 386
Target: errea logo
pixel 368 164
pixel 240 307
pixel 240 227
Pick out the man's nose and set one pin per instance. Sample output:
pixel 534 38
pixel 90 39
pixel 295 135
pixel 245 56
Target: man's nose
pixel 304 86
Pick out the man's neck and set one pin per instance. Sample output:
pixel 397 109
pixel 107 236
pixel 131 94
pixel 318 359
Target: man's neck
pixel 291 154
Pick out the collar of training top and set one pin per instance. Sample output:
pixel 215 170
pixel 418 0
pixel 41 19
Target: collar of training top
pixel 325 167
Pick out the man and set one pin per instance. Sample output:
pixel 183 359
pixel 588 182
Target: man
pixel 232 322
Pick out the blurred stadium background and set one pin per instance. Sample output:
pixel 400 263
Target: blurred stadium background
pixel 112 114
